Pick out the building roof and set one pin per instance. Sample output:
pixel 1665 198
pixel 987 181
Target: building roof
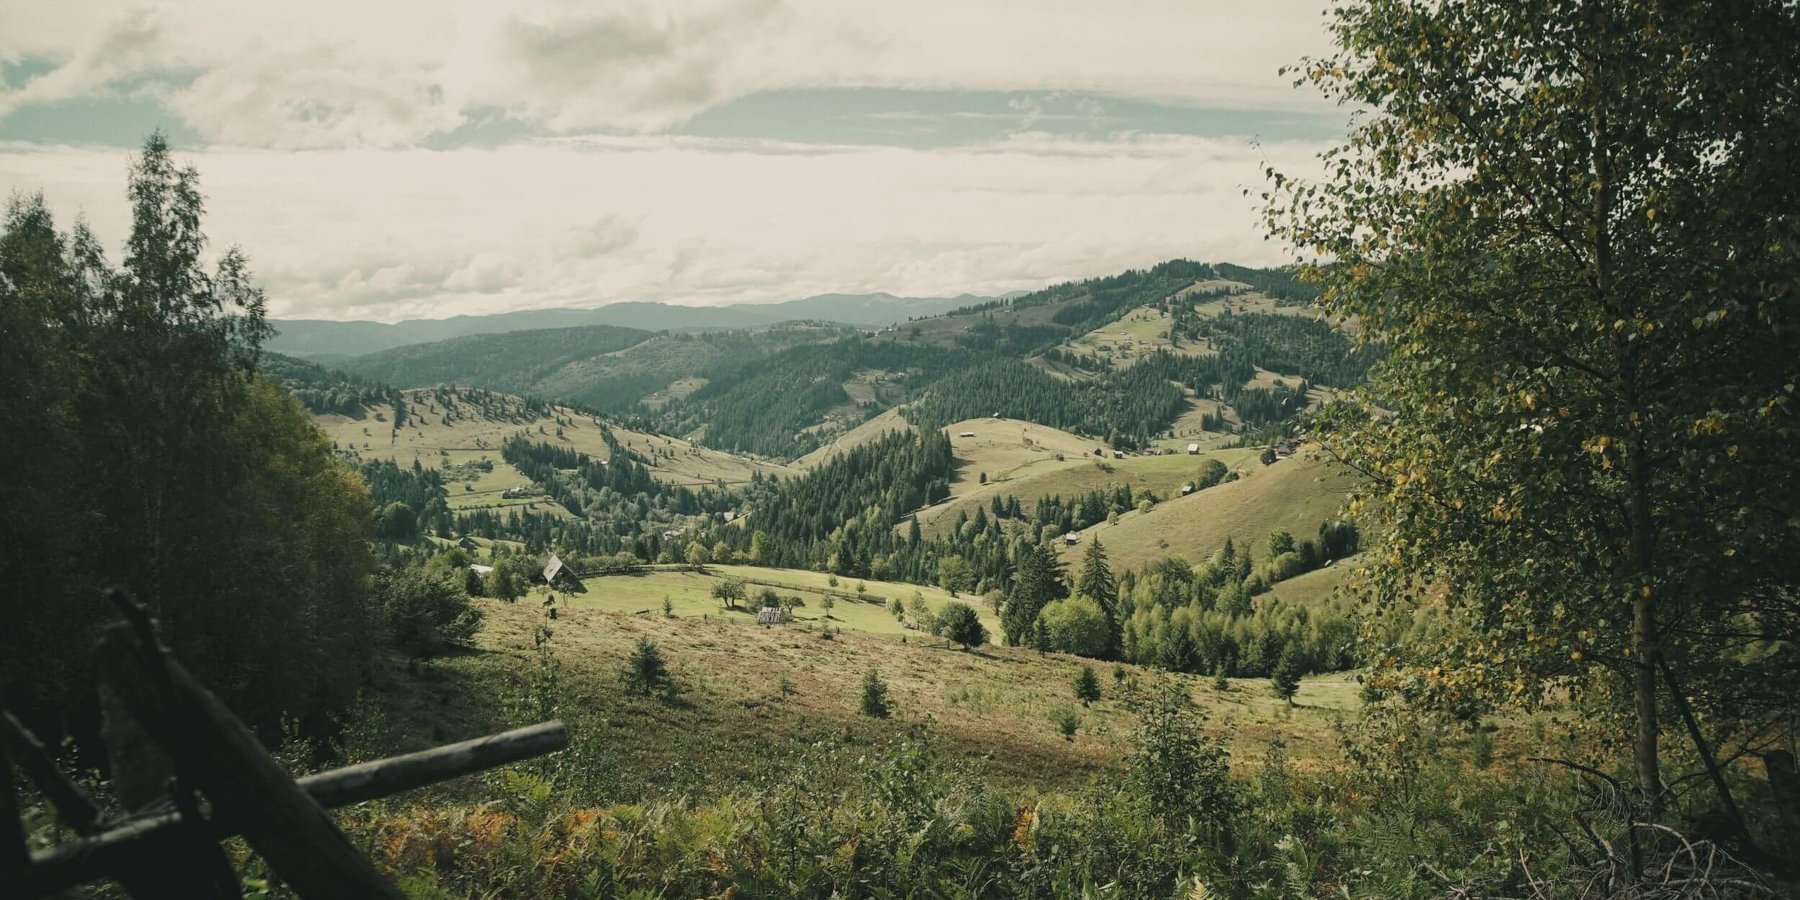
pixel 553 569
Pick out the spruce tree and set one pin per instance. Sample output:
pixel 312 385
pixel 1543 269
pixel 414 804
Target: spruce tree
pixel 1096 582
pixel 875 703
pixel 1285 680
pixel 1087 686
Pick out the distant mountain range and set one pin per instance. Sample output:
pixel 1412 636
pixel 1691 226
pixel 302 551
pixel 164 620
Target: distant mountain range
pixel 327 340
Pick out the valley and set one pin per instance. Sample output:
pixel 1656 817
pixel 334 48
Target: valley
pixel 1421 525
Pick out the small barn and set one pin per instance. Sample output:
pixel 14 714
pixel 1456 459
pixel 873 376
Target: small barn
pixel 483 571
pixel 1186 489
pixel 771 615
pixel 1071 539
pixel 556 572
pixel 467 543
pixel 1193 449
pixel 965 434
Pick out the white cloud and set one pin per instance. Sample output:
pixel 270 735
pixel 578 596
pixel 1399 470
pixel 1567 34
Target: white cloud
pixel 348 73
pixel 407 233
pixel 119 49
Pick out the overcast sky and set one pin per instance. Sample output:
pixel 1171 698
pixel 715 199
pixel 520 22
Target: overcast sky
pixel 390 159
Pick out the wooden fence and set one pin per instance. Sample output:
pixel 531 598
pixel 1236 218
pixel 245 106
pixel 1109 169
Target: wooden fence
pixel 161 720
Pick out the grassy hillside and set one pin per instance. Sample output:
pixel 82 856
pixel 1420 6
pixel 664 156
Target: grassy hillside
pixel 1313 589
pixel 1296 494
pixel 442 433
pixel 513 362
pixel 865 612
pixel 876 426
pixel 1006 449
pixel 991 708
pixel 1163 475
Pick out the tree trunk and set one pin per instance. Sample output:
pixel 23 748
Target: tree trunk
pixel 1784 782
pixel 1645 649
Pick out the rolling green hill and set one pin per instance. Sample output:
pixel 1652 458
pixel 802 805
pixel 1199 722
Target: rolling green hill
pixel 1295 494
pixel 318 339
pixel 602 366
pixel 512 362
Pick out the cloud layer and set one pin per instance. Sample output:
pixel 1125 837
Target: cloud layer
pixel 334 73
pixel 407 233
pixel 426 158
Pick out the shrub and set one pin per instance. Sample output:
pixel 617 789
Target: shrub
pixel 1076 625
pixel 960 624
pixel 426 607
pixel 1087 686
pixel 1066 721
pixel 875 703
pixel 646 672
pixel 1183 775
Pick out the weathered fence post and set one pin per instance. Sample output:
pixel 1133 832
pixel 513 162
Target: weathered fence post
pixel 216 753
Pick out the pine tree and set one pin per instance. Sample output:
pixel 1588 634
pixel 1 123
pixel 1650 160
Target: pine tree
pixel 875 703
pixel 1096 582
pixel 1087 686
pixel 1285 680
pixel 646 672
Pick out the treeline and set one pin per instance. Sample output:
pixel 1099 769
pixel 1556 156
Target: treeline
pixel 841 517
pixel 765 406
pixel 616 505
pixel 1282 284
pixel 149 452
pixel 328 391
pixel 513 361
pixel 1203 619
pixel 1126 407
pixel 1292 345
pixel 409 501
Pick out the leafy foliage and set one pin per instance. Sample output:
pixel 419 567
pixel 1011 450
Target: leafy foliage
pixel 1574 231
pixel 149 453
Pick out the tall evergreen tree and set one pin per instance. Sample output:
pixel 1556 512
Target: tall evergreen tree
pixel 1096 582
pixel 1036 584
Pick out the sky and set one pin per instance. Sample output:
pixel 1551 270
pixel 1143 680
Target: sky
pixel 426 158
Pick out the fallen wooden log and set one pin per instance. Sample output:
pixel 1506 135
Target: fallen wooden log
pixel 140 840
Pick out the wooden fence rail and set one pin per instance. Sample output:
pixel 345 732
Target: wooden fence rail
pixel 246 792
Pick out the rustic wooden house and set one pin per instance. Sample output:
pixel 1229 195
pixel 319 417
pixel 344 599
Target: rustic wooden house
pixel 557 573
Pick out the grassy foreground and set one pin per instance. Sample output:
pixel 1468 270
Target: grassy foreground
pixel 992 706
pixel 761 777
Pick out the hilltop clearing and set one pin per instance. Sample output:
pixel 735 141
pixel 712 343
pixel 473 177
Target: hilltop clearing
pixel 868 430
pixel 1293 494
pixel 449 427
pixel 863 606
pixel 1048 477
